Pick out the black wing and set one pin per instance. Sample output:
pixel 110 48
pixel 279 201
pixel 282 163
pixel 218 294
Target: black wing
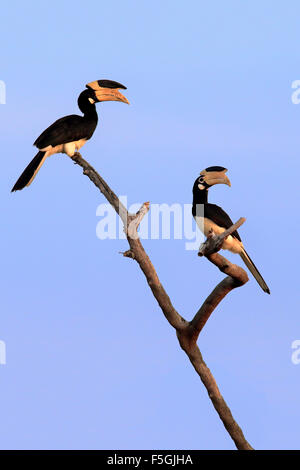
pixel 64 130
pixel 219 217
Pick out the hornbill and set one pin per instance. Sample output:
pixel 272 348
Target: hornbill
pixel 212 217
pixel 70 133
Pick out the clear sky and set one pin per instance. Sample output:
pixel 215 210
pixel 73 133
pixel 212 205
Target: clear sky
pixel 91 361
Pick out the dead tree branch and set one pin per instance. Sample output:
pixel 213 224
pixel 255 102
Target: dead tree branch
pixel 187 332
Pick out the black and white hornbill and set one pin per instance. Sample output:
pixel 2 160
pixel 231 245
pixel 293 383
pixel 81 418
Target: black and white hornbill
pixel 212 217
pixel 70 133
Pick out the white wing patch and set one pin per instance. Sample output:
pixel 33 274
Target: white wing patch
pixel 69 148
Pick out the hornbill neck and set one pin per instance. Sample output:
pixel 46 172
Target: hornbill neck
pixel 200 197
pixel 86 107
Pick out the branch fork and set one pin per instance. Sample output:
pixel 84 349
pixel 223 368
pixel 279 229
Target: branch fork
pixel 187 331
pixel 134 221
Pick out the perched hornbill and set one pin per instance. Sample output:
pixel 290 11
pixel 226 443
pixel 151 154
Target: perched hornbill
pixel 70 133
pixel 211 217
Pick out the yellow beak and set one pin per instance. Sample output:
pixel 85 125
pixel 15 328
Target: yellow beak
pixel 215 177
pixel 107 94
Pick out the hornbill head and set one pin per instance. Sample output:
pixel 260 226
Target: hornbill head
pixel 211 176
pixel 106 90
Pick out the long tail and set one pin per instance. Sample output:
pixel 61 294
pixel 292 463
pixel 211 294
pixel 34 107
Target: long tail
pixel 30 171
pixel 253 269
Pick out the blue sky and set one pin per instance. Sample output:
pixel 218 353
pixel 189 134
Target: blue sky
pixel 91 361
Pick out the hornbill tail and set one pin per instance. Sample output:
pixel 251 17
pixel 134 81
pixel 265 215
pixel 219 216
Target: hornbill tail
pixel 30 172
pixel 253 269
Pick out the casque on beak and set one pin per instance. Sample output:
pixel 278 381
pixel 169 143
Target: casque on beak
pixel 215 177
pixel 107 90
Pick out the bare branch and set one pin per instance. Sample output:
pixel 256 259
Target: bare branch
pixel 171 314
pixel 187 332
pixel 237 277
pixel 98 181
pixel 135 220
pixel 195 356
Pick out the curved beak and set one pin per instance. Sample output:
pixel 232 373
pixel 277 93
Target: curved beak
pixel 215 177
pixel 107 93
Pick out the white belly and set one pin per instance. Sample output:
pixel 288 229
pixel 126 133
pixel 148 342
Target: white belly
pixel 230 243
pixel 69 148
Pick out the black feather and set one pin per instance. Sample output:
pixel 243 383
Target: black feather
pixel 64 130
pixel 28 172
pixel 217 215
